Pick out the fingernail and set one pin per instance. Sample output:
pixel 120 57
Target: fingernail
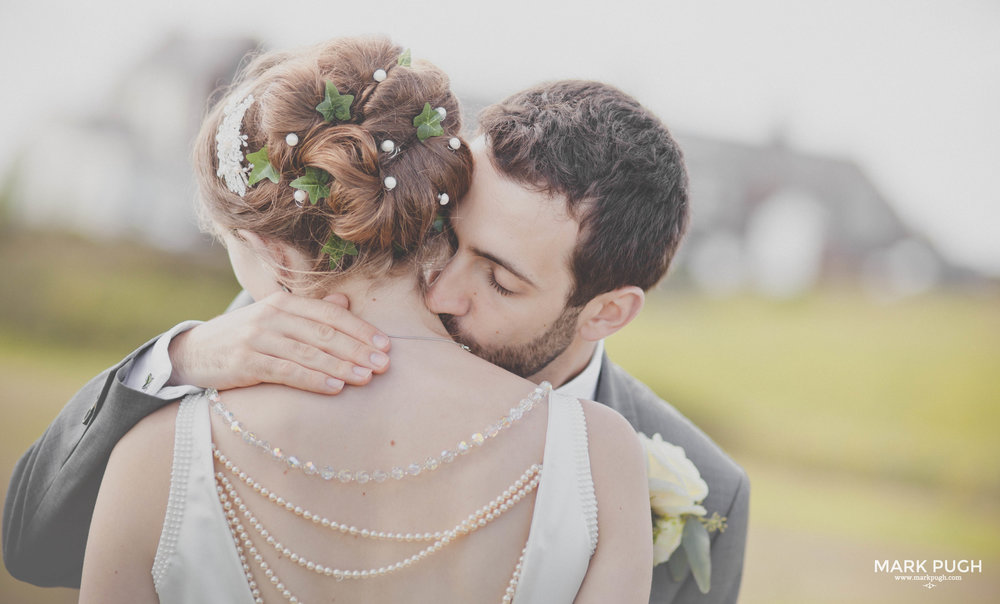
pixel 362 372
pixel 379 359
pixel 380 341
pixel 334 384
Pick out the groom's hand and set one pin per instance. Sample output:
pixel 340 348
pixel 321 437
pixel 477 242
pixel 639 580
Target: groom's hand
pixel 309 344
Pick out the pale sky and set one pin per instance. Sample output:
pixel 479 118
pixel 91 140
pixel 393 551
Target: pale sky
pixel 909 89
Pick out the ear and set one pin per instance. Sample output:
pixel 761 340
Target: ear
pixel 607 313
pixel 287 261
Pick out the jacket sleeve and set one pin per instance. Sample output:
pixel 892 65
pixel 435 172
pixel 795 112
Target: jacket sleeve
pixel 53 489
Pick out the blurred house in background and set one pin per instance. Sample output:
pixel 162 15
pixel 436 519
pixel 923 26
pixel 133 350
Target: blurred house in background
pixel 780 221
pixel 765 218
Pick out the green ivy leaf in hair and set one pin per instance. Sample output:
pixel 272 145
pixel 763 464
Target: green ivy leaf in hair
pixel 404 59
pixel 428 123
pixel 335 105
pixel 438 224
pixel 316 183
pixel 262 167
pixel 337 248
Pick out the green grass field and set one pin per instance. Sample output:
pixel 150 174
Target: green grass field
pixel 867 429
pixel 903 393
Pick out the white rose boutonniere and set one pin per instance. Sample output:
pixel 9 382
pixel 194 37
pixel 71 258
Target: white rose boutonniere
pixel 676 491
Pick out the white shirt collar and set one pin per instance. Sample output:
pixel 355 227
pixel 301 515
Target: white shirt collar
pixel 584 385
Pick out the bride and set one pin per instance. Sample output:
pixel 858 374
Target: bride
pixel 447 479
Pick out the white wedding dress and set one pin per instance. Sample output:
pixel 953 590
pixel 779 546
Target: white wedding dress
pixel 197 561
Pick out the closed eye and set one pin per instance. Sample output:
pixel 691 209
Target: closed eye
pixel 503 291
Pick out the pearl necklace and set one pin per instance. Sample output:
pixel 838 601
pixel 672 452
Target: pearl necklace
pixel 309 468
pixel 233 503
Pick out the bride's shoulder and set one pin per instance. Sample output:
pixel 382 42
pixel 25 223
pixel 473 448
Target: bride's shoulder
pixel 132 500
pixel 617 460
pixel 605 426
pixel 157 427
pixel 146 451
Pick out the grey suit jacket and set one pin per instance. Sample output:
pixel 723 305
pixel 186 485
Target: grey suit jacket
pixel 54 487
pixel 728 486
pixel 52 492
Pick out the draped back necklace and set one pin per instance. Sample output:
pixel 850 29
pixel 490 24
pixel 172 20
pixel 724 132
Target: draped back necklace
pixel 241 519
pixel 237 512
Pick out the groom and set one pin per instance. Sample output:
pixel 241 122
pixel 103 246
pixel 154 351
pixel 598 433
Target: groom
pixel 578 202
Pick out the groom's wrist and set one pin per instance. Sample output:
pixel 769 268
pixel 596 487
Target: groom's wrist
pixel 176 360
pixel 152 370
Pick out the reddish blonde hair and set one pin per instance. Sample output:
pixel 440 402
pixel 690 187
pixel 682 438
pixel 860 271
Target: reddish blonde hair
pixel 387 227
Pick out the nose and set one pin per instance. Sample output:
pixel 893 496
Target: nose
pixel 447 293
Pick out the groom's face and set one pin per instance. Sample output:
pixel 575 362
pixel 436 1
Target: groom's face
pixel 504 291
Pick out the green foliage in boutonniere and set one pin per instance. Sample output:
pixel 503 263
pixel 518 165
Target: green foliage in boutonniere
pixel 335 105
pixel 676 491
pixel 404 59
pixel 262 167
pixel 315 183
pixel 337 248
pixel 428 123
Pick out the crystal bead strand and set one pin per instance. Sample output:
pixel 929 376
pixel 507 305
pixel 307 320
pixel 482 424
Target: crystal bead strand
pixel 431 463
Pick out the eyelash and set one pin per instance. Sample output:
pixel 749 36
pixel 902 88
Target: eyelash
pixel 503 291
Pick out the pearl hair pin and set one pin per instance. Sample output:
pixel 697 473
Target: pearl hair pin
pixel 387 146
pixel 300 197
pixel 291 139
pixel 379 75
pixel 389 182
pixel 443 199
pixel 442 112
pixel 454 143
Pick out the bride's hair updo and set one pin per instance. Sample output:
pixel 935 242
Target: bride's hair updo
pixel 387 225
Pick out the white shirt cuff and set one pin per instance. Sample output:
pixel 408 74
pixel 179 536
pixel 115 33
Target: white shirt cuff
pixel 151 368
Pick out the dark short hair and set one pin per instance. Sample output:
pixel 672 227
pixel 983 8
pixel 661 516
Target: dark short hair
pixel 621 172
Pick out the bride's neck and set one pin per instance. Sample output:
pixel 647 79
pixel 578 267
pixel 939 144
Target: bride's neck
pixel 393 304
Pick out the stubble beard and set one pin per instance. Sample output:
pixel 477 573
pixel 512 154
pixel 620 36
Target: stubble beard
pixel 526 359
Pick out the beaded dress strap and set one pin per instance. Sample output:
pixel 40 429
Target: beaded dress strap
pixel 179 472
pixel 563 533
pixel 584 480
